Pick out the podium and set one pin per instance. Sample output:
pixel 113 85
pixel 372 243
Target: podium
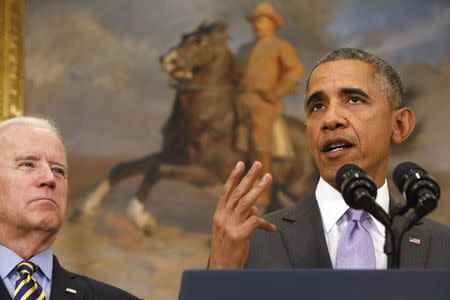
pixel 317 284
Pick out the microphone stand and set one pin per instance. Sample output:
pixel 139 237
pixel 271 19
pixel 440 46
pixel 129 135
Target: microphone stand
pixel 390 248
pixel 393 240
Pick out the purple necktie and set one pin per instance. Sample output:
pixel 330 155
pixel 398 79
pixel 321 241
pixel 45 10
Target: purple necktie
pixel 355 248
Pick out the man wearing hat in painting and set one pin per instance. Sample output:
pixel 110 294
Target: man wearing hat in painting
pixel 269 70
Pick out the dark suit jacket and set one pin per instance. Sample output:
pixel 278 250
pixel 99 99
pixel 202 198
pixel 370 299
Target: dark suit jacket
pixel 299 242
pixel 86 288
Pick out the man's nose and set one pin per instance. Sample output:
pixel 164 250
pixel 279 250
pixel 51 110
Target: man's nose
pixel 46 177
pixel 334 117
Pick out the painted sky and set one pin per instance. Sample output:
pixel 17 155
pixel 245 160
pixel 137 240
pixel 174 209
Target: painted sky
pixel 93 65
pixel 418 31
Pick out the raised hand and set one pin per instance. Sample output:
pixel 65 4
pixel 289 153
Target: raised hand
pixel 236 217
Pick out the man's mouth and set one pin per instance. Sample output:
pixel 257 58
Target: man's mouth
pixel 336 145
pixel 43 200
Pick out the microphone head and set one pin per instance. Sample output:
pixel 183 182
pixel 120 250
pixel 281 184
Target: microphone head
pixel 357 189
pixel 404 171
pixel 412 179
pixel 344 172
pixel 359 192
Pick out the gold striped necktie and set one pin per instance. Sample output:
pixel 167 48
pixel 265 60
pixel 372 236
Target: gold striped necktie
pixel 27 287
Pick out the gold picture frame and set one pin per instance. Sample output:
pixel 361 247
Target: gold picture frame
pixel 11 58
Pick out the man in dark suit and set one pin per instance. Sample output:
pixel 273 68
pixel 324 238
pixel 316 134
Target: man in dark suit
pixel 354 106
pixel 33 195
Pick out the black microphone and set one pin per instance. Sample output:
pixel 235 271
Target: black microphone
pixel 419 189
pixel 360 192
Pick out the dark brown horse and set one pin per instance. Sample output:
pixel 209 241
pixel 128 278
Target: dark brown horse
pixel 198 136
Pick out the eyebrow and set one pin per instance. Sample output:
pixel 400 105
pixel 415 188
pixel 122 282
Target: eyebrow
pixel 343 91
pixel 36 158
pixel 313 97
pixel 353 91
pixel 27 157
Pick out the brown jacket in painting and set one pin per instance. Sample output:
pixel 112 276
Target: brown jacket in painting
pixel 270 70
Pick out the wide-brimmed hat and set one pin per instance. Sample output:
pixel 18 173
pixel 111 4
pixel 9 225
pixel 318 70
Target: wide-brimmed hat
pixel 265 9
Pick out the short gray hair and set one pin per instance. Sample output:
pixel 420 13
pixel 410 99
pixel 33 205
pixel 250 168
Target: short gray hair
pixel 34 121
pixel 388 78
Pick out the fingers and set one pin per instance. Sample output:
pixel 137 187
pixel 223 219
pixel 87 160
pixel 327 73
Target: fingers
pixel 244 186
pixel 252 196
pixel 231 183
pixel 254 222
pixel 236 217
pixel 253 212
pixel 266 226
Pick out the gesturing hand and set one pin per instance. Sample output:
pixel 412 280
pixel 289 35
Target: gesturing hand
pixel 236 218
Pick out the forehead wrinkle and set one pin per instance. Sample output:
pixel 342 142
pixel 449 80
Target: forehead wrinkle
pixel 7 134
pixel 323 81
pixel 364 77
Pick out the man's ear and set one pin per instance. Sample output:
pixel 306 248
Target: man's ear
pixel 404 122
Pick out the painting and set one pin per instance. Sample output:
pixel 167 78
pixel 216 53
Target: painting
pixel 97 69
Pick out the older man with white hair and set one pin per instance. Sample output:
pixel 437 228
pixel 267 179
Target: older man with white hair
pixel 33 196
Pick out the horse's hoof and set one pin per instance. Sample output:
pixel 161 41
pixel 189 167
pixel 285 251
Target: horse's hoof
pixel 142 219
pixel 81 213
pixel 78 216
pixel 91 205
pixel 149 225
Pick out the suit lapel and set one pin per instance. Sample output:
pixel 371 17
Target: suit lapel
pixel 4 294
pixel 303 235
pixel 63 280
pixel 415 247
pixel 415 244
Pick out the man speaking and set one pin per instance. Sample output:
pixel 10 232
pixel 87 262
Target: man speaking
pixel 33 195
pixel 355 111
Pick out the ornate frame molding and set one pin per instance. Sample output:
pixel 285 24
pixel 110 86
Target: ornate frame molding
pixel 12 14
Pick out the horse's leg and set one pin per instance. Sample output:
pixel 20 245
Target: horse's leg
pixel 93 200
pixel 191 174
pixel 117 173
pixel 136 210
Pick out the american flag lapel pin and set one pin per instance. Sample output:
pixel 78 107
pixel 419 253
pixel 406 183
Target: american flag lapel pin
pixel 71 291
pixel 414 240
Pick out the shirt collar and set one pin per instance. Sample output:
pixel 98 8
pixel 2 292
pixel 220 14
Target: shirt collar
pixel 9 260
pixel 44 260
pixel 332 205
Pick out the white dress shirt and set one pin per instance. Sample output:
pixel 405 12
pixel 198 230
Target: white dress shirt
pixel 9 260
pixel 332 210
